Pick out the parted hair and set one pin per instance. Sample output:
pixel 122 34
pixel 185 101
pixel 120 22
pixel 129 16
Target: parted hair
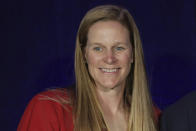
pixel 87 112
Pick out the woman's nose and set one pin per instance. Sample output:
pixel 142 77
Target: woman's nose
pixel 110 57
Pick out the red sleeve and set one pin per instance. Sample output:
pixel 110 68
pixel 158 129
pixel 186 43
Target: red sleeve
pixel 45 115
pixel 157 113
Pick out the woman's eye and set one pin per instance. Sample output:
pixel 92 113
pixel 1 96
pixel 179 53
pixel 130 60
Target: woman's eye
pixel 120 48
pixel 97 48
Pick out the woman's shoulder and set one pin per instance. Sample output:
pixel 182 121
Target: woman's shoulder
pixel 57 91
pixel 62 96
pixel 50 106
pixel 54 93
pixel 55 97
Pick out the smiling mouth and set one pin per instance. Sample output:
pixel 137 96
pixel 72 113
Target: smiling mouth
pixel 109 70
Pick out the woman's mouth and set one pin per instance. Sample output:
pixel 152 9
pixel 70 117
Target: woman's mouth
pixel 109 70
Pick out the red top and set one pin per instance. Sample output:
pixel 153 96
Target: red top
pixel 45 114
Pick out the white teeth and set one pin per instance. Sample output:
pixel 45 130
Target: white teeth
pixel 109 70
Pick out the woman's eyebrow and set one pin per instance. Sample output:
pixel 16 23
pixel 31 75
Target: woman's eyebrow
pixel 115 44
pixel 95 43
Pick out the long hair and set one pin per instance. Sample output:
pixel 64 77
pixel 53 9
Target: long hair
pixel 87 111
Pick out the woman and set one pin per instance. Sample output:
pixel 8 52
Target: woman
pixel 111 85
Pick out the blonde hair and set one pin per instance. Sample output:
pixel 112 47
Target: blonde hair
pixel 87 112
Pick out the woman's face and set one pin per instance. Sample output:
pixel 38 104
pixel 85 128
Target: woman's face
pixel 108 54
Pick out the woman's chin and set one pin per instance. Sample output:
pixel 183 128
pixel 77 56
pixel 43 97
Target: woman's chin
pixel 108 86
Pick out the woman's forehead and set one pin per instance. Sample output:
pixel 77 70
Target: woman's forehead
pixel 108 32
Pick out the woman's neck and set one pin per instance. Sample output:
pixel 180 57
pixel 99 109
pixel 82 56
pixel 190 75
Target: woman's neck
pixel 112 105
pixel 111 101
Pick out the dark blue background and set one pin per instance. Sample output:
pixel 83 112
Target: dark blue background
pixel 38 42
